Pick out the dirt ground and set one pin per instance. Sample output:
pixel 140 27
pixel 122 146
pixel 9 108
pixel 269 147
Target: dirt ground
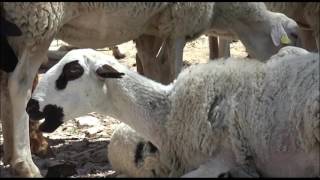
pixel 81 148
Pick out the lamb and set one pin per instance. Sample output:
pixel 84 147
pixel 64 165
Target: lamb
pixel 239 116
pixel 160 30
pixel 130 154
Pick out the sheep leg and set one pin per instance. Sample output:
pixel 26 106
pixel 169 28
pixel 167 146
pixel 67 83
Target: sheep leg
pixel 313 20
pixel 139 65
pixel 5 114
pixel 165 68
pixel 224 48
pixel 213 47
pixel 147 48
pixel 308 40
pixel 17 125
pixel 174 57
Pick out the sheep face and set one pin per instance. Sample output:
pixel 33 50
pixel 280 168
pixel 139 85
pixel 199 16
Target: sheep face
pixel 71 88
pixel 283 32
pixel 131 154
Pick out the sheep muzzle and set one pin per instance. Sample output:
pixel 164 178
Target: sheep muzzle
pixel 53 118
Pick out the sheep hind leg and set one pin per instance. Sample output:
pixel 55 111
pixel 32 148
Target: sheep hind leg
pixel 224 48
pixel 166 67
pixel 139 65
pixel 308 41
pixel 19 85
pixel 213 47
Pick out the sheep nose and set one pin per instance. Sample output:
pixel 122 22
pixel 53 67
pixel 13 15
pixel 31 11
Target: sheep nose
pixel 33 110
pixel 53 118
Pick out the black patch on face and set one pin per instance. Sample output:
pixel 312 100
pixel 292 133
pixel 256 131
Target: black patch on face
pixel 71 71
pixel 8 58
pixel 138 154
pixel 107 71
pixel 53 118
pixel 33 110
pixel 152 148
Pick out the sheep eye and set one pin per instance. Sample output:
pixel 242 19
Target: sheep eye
pixel 72 70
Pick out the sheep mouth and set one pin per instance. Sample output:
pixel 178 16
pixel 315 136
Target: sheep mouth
pixel 53 116
pixel 33 110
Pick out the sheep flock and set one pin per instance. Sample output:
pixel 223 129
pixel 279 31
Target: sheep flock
pixel 254 116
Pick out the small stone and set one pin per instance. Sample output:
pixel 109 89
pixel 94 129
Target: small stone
pixel 87 121
pixel 92 131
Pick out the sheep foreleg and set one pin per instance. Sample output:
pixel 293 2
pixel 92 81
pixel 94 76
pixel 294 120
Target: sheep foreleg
pixel 17 126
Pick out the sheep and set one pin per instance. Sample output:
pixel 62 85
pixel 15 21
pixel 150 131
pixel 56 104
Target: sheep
pixel 126 145
pixel 130 154
pixel 306 14
pixel 241 116
pixel 160 29
pixel 127 140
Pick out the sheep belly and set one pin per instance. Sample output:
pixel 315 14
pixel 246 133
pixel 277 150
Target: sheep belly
pixel 98 29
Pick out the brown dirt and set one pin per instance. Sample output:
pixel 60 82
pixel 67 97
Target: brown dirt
pixel 84 155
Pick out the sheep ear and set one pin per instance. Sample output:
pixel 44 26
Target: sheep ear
pixel 8 29
pixel 107 71
pixel 279 35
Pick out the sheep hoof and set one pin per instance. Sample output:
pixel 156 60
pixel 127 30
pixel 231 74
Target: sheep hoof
pixel 25 169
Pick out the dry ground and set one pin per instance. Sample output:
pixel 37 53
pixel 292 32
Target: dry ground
pixel 82 149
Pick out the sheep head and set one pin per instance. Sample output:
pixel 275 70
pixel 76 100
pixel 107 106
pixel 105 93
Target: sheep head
pixel 73 87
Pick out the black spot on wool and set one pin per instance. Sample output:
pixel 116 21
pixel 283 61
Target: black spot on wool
pixel 138 154
pixel 8 58
pixel 152 148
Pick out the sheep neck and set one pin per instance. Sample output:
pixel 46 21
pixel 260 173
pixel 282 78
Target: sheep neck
pixel 141 103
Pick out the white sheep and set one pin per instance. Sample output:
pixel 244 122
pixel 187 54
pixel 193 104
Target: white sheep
pixel 129 153
pixel 306 14
pixel 160 30
pixel 239 116
pixel 127 140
